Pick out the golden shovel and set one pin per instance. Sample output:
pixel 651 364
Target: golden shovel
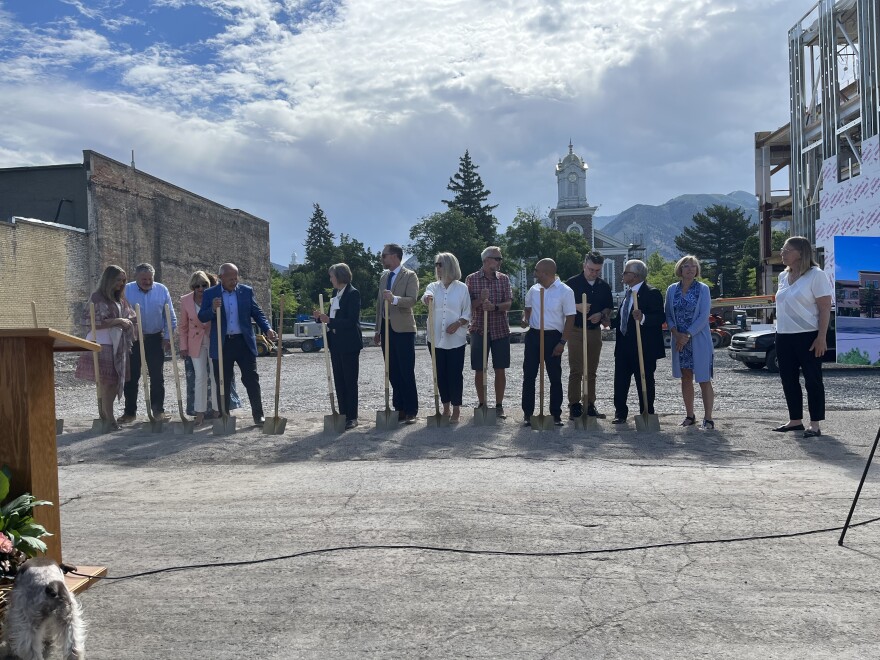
pixel 645 422
pixel 585 421
pixel 437 419
pixel 225 424
pixel 334 422
pixel 483 415
pixel 186 426
pixel 276 425
pixel 387 419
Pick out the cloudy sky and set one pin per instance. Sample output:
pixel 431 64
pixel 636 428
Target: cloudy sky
pixel 365 106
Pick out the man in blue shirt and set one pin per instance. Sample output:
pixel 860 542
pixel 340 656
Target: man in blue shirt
pixel 152 297
pixel 238 306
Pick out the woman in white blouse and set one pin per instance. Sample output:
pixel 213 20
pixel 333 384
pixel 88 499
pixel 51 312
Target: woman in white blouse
pixel 803 310
pixel 452 314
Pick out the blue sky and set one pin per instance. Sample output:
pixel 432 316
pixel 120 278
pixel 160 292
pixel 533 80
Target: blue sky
pixel 365 106
pixel 855 253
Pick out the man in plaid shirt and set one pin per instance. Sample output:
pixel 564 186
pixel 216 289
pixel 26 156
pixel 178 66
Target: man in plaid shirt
pixel 490 290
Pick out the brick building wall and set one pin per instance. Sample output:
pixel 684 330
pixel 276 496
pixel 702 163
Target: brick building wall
pixel 140 218
pixel 45 263
pixel 113 214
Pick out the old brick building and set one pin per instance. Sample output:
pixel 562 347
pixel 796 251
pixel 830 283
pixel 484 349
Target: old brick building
pixel 61 225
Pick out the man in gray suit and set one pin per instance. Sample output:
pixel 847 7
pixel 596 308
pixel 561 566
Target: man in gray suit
pixel 400 287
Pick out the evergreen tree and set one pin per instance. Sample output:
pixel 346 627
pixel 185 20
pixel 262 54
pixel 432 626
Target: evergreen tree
pixel 717 238
pixel 319 240
pixel 366 267
pixel 469 199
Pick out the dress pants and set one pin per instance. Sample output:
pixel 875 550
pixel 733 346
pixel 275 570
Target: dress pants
pixel 402 370
pixel 155 355
pixel 450 377
pixel 793 352
pixel 236 351
pixel 576 364
pixel 626 367
pixel 346 368
pixel 532 366
pixel 200 375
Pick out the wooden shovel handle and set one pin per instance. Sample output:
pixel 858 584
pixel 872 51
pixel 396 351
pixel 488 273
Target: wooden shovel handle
pixel 635 299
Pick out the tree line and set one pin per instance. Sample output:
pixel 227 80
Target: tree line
pixel 722 238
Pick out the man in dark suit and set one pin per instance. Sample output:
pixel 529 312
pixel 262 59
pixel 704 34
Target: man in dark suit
pixel 400 287
pixel 651 317
pixel 238 306
pixel 345 340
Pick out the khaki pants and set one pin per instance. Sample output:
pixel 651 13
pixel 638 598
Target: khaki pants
pixel 576 364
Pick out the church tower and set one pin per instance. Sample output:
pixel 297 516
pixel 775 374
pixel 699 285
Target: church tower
pixel 572 213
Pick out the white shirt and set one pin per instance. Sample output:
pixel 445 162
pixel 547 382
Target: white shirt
pixel 450 304
pixel 558 303
pixel 334 304
pixel 629 304
pixel 796 307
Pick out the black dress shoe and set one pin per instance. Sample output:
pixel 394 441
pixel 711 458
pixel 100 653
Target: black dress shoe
pixel 619 420
pixel 557 421
pixel 784 428
pixel 410 419
pixel 575 410
pixel 810 433
pixel 401 416
pixel 350 424
pixel 592 412
pixel 259 420
pixel 527 421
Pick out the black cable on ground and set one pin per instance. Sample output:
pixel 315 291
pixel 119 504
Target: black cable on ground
pixel 461 551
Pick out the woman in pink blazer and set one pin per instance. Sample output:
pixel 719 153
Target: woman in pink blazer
pixel 194 342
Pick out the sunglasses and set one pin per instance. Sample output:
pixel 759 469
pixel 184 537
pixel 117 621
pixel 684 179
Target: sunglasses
pixel 200 286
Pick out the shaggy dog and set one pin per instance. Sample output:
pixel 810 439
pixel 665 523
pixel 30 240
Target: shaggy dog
pixel 42 616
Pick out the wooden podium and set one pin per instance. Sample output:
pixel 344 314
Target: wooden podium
pixel 27 423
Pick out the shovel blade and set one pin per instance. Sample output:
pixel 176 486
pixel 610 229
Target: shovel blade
pixel 541 422
pixel 223 425
pixel 102 426
pixel 586 423
pixel 59 426
pixel 438 420
pixel 334 423
pixel 386 419
pixel 646 423
pixel 153 426
pixel 485 416
pixel 274 425
pixel 183 427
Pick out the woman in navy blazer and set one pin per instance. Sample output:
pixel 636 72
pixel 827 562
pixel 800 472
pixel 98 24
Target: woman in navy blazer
pixel 345 340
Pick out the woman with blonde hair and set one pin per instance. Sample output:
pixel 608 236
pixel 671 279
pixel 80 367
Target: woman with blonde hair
pixel 448 334
pixel 115 334
pixel 688 303
pixel 803 311
pixel 194 342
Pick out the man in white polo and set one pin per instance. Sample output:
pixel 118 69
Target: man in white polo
pixel 559 313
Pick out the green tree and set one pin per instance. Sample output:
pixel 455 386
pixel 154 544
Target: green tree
pixel 450 231
pixel 747 268
pixel 529 239
pixel 320 250
pixel 717 238
pixel 282 287
pixel 469 198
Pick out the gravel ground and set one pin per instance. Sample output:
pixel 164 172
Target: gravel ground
pixel 304 386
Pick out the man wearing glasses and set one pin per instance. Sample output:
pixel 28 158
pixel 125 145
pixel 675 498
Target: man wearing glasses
pixel 651 316
pixel 599 303
pixel 400 287
pixel 489 289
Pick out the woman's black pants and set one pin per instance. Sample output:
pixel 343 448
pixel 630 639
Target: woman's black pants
pixel 795 357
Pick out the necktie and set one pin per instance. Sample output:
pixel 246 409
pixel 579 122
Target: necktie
pixel 390 280
pixel 624 311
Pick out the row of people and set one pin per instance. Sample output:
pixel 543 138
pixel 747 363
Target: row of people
pixel 458 310
pixel 120 356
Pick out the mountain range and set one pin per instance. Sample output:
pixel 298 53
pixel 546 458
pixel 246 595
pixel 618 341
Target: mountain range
pixel 657 226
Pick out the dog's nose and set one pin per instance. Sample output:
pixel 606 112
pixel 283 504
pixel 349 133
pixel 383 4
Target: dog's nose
pixel 54 589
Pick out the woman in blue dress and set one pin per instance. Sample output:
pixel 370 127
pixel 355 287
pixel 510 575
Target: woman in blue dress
pixel 688 303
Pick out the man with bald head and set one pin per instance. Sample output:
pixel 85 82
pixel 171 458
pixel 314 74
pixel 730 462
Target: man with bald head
pixel 559 312
pixel 237 307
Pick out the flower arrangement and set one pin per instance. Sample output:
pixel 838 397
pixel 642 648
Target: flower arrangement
pixel 20 534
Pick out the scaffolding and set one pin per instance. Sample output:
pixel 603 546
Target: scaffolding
pixel 835 105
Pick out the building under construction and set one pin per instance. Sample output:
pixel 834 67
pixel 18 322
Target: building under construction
pixel 819 176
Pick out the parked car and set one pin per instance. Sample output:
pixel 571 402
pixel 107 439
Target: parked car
pixel 757 348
